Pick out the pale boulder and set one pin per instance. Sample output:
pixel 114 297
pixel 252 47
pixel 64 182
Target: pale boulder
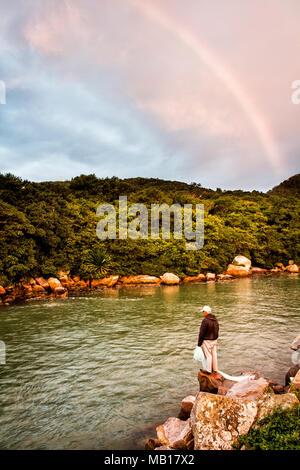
pixel 218 420
pixel 210 277
pixel 242 261
pixel 175 433
pixel 250 389
pixel 170 279
pixel 292 268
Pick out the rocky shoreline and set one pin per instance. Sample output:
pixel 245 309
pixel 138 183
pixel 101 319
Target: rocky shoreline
pixel 65 284
pixel 224 410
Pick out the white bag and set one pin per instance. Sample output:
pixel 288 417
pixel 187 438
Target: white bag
pixel 199 356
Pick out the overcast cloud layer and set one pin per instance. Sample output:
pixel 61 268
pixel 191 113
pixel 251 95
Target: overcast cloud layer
pixel 194 90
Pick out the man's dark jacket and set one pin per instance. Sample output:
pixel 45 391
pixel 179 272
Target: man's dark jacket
pixel 209 329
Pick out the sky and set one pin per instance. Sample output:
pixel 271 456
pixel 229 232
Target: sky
pixel 187 90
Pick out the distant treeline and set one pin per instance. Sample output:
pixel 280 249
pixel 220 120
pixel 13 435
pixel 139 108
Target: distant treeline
pixel 49 226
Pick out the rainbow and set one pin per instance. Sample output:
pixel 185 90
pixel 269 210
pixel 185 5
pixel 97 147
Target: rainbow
pixel 215 65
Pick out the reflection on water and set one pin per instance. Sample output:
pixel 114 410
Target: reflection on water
pixel 99 371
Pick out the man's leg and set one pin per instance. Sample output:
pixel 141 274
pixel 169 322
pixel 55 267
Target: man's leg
pixel 214 357
pixel 207 352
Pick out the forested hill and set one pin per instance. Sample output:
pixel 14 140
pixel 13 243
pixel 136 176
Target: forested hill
pixel 51 225
pixel 290 186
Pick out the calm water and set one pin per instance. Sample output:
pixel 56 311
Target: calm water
pixel 100 371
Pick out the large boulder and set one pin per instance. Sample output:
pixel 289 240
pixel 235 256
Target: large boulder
pixel 242 261
pixel 253 387
pixel 176 434
pixel 186 407
pixel 272 402
pixel 238 271
pixel 141 279
pixel 104 282
pixel 55 286
pixel 218 420
pixel 54 283
pixel 210 277
pixel 292 268
pixel 170 279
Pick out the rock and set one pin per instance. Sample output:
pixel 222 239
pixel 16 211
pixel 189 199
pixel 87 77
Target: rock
pixel 238 271
pixel 225 386
pixel 273 402
pixel 175 433
pixel 291 262
pixel 210 277
pixel 218 420
pixel 293 268
pixel 186 407
pixel 32 282
pixel 54 283
pixel 141 279
pixel 2 291
pixel 292 372
pixel 169 279
pixel 42 282
pixel 250 389
pixel 224 277
pixel 80 283
pixel 258 270
pixel 38 290
pixel 151 444
pixel 163 448
pixel 104 282
pixel 199 278
pixel 210 382
pixel 296 382
pixel 59 290
pixel 277 388
pixel 28 289
pixel 280 266
pixel 242 261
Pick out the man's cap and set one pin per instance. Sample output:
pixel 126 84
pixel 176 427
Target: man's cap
pixel 206 308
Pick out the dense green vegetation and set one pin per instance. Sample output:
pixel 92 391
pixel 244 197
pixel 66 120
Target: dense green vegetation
pixel 51 225
pixel 278 431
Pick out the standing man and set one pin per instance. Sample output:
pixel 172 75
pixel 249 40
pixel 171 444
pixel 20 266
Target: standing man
pixel 208 336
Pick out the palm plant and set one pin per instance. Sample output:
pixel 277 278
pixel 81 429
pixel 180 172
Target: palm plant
pixel 97 263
